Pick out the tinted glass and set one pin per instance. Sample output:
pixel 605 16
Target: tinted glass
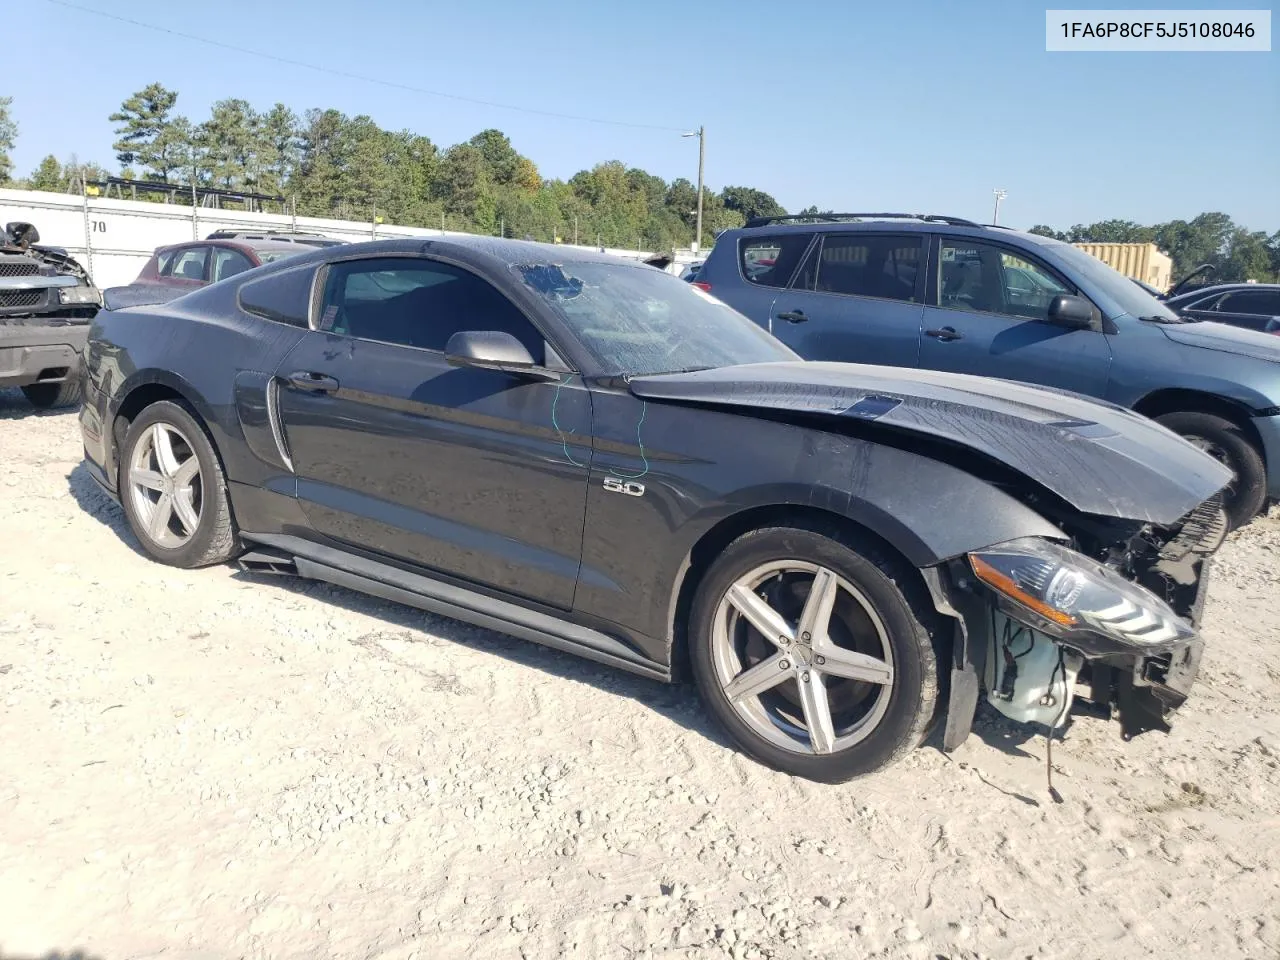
pixel 1262 302
pixel 988 279
pixel 418 303
pixel 637 320
pixel 282 297
pixel 770 261
pixel 863 265
pixel 163 262
pixel 227 263
pixel 189 264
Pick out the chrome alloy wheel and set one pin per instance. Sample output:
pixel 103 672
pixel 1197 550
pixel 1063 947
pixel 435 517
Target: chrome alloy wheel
pixel 802 657
pixel 164 482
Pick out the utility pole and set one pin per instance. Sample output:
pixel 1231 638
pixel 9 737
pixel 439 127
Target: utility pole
pixel 701 134
pixel 999 195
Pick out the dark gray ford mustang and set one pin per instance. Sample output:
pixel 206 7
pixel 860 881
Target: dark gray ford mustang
pixel 594 455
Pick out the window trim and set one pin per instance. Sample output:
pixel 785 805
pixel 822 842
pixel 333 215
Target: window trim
pixel 933 299
pixel 917 295
pixel 321 278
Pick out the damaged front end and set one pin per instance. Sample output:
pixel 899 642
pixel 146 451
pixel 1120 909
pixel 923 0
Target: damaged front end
pixel 1109 617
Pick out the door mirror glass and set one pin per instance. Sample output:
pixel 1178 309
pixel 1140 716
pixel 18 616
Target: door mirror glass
pixel 493 350
pixel 1073 313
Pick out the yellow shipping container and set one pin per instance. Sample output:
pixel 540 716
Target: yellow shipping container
pixel 1142 261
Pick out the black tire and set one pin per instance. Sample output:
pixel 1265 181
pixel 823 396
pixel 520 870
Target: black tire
pixel 215 539
pixel 1228 443
pixel 898 598
pixel 46 396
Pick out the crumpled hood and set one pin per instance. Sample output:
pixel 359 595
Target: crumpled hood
pixel 1100 458
pixel 1228 339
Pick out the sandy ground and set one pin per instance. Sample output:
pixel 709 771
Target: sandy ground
pixel 215 765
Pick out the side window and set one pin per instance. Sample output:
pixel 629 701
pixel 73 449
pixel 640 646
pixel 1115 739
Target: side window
pixel 1265 303
pixel 164 262
pixel 418 303
pixel 988 279
pixel 770 261
pixel 869 265
pixel 282 297
pixel 189 264
pixel 228 262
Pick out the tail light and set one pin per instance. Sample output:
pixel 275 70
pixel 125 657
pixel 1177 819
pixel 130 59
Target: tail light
pixel 707 287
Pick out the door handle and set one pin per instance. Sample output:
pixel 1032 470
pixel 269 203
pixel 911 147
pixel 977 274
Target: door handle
pixel 793 316
pixel 946 334
pixel 312 382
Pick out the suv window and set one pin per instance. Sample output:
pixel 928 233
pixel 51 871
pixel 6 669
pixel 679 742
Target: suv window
pixel 1264 303
pixel 989 279
pixel 770 261
pixel 866 265
pixel 418 303
pixel 188 264
pixel 228 262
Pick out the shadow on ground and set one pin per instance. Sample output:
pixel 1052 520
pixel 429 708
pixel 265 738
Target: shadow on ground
pixel 677 702
pixel 52 955
pixel 14 406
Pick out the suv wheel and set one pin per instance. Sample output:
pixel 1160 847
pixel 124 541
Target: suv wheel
pixel 49 395
pixel 1227 443
pixel 173 490
pixel 810 651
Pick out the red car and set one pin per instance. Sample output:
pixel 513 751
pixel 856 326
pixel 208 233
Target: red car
pixel 183 267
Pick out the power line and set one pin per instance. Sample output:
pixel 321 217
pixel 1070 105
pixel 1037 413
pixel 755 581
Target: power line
pixel 358 76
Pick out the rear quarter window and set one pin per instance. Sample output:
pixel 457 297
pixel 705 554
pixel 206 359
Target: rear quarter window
pixel 280 297
pixel 771 260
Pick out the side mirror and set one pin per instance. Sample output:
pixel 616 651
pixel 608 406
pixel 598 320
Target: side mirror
pixel 493 350
pixel 22 234
pixel 1073 313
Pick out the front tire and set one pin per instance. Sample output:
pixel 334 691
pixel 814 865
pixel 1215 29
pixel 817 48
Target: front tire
pixel 46 396
pixel 1226 443
pixel 814 651
pixel 173 490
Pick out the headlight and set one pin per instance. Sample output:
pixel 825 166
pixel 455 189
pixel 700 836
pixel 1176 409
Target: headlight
pixel 81 295
pixel 1075 598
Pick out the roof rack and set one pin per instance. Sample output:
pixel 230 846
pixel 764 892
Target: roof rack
pixel 841 217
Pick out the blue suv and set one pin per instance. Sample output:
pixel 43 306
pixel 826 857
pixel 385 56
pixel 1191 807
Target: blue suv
pixel 949 294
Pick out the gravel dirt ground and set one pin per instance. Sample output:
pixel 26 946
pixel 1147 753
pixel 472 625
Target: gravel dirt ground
pixel 209 764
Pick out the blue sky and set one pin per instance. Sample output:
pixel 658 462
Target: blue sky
pixel 909 105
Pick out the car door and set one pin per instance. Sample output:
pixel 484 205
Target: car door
pixel 858 298
pixel 764 265
pixel 476 474
pixel 987 315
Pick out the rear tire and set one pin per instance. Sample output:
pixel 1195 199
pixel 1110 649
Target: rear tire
pixel 46 396
pixel 869 675
pixel 173 490
pixel 1227 443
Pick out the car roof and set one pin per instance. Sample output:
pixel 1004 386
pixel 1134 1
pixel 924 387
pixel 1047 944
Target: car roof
pixel 898 223
pixel 1212 288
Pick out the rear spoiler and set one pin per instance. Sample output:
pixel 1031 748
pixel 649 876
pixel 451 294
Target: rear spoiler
pixel 139 295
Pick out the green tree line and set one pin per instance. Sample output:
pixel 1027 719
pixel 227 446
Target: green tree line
pixel 1236 252
pixel 334 165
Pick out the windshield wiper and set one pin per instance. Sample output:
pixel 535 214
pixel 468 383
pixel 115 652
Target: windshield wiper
pixel 1165 319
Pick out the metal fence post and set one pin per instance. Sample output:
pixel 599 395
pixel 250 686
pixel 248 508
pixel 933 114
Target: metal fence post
pixel 88 232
